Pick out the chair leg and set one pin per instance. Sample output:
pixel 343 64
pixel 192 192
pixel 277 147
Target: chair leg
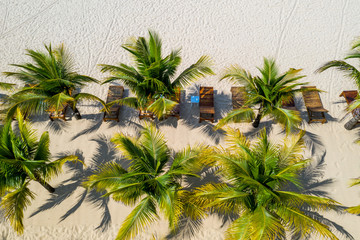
pixel 323 115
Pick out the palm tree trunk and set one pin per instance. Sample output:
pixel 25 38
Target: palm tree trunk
pixel 77 114
pixel 351 124
pixel 44 184
pixel 257 120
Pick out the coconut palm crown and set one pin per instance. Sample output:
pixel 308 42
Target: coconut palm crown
pixel 49 83
pixel 153 78
pixel 268 92
pixel 252 179
pixel 153 182
pixel 23 159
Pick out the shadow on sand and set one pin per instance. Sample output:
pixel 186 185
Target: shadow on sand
pixel 312 185
pixel 105 152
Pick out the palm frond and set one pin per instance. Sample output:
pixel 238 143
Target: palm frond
pixel 290 119
pixel 354 210
pixel 261 224
pixel 162 106
pixel 238 75
pixel 238 115
pixel 297 218
pixel 106 177
pixel 14 205
pixel 200 69
pixel 6 86
pixel 156 149
pixel 345 67
pixel 142 215
pixel 54 168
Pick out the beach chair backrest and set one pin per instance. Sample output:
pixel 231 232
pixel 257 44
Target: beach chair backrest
pixel 206 96
pixel 312 98
pixel 114 93
pixel 349 95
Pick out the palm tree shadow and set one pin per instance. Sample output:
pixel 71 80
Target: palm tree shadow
pixel 309 179
pixel 188 227
pixel 124 121
pixel 57 126
pixel 104 153
pixel 94 126
pixel 268 125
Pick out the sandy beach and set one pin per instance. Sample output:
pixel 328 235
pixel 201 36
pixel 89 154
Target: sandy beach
pixel 298 34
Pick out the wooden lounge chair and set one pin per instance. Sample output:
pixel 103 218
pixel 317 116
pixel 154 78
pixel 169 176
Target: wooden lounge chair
pixel 206 104
pixel 350 96
pixel 175 112
pixel 238 95
pixel 313 104
pixel 59 114
pixel 290 105
pixel 146 114
pixel 114 93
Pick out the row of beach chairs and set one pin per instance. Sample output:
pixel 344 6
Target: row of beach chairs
pixel 316 111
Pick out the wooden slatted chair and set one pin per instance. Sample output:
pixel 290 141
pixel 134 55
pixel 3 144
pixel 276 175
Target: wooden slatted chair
pixel 350 96
pixel 58 114
pixel 314 106
pixel 238 95
pixel 114 93
pixel 146 114
pixel 206 104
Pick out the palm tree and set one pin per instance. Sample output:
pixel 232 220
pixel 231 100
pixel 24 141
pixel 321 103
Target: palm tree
pixel 351 72
pixel 153 181
pixel 355 209
pixel 268 91
pixel 152 79
pixel 50 83
pixel 252 179
pixel 23 159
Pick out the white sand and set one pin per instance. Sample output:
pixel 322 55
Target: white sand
pixel 299 34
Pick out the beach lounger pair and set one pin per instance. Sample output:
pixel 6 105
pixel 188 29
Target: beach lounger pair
pixel 313 104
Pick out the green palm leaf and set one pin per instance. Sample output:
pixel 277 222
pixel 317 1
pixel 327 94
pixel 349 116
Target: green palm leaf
pixel 6 86
pixel 142 215
pixel 14 204
pixel 162 106
pixel 236 116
